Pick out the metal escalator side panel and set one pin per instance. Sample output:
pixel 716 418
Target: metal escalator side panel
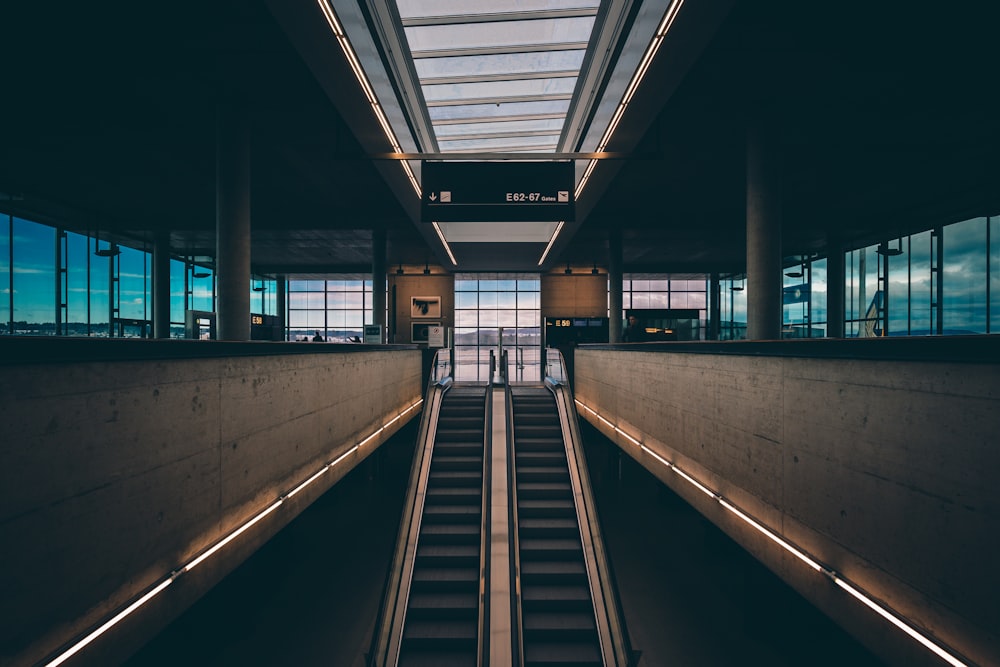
pixel 442 619
pixel 558 622
pixel 385 640
pixel 615 645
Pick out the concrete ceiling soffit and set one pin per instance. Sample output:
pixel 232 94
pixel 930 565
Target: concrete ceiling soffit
pixel 307 28
pixel 690 33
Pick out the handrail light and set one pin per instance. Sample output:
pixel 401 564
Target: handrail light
pixel 169 579
pixel 885 612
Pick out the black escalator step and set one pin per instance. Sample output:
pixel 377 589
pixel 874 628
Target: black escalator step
pixel 448 555
pixel 565 625
pixel 540 490
pixel 459 435
pixel 553 572
pixel 431 631
pixel 448 533
pixel 544 507
pixel 459 449
pixel 538 445
pixel 456 478
pixel 452 513
pixel 449 461
pixel 550 549
pixel 454 494
pixel 583 654
pixel 441 605
pixel 549 526
pixel 556 598
pixel 445 578
pixel 542 458
pixel 437 658
pixel 542 473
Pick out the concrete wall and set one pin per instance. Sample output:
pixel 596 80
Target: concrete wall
pixel 115 473
pixel 882 470
pixel 576 295
pixel 407 286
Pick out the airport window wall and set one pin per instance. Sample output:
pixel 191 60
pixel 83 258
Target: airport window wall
pixel 335 309
pixel 487 303
pixel 60 283
pixel 672 308
pixel 943 281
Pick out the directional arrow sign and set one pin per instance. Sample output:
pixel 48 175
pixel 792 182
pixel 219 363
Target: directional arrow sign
pixel 497 191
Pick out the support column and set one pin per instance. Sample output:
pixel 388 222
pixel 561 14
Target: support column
pixel 281 285
pixel 835 279
pixel 763 233
pixel 161 285
pixel 232 247
pixel 714 307
pixel 615 286
pixel 378 280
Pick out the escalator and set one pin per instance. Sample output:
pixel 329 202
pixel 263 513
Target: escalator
pixel 557 612
pixel 442 620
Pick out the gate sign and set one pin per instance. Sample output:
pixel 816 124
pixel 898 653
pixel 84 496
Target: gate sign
pixel 497 191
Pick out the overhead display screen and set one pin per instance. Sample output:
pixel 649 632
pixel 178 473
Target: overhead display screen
pixel 497 191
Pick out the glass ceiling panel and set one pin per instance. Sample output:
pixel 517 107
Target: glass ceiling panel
pixel 500 143
pixel 497 76
pixel 427 8
pixel 468 111
pixel 499 34
pixel 549 125
pixel 491 90
pixel 499 64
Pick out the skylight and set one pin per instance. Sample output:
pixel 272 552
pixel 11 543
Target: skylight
pixel 498 78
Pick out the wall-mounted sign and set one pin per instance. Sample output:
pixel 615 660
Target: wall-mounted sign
pixel 497 191
pixel 425 306
pixel 435 336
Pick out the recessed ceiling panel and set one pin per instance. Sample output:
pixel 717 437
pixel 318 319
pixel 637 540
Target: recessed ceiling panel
pixel 497 78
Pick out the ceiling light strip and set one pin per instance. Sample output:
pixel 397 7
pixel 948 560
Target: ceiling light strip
pixel 369 90
pixel 551 241
pixel 884 611
pixel 444 242
pixel 169 579
pixel 640 72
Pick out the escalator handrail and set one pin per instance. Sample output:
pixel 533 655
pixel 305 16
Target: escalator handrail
pixel 483 647
pixel 389 621
pixel 514 545
pixel 615 644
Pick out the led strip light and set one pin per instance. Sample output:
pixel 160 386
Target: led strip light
pixel 640 72
pixel 156 590
pixel 366 86
pixel 885 612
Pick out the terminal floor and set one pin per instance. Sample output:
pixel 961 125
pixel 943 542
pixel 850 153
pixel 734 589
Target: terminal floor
pixel 691 596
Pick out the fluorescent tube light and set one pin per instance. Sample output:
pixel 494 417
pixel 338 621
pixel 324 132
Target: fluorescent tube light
pixel 637 76
pixel 107 625
pixel 813 563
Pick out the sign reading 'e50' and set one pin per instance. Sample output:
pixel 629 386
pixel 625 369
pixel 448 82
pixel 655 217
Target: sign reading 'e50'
pixel 497 191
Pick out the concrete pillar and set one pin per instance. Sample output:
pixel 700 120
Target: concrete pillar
pixel 835 279
pixel 232 253
pixel 161 285
pixel 615 286
pixel 714 307
pixel 281 285
pixel 763 233
pixel 378 279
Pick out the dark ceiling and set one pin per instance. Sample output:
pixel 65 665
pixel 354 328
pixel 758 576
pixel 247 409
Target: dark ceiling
pixel 886 119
